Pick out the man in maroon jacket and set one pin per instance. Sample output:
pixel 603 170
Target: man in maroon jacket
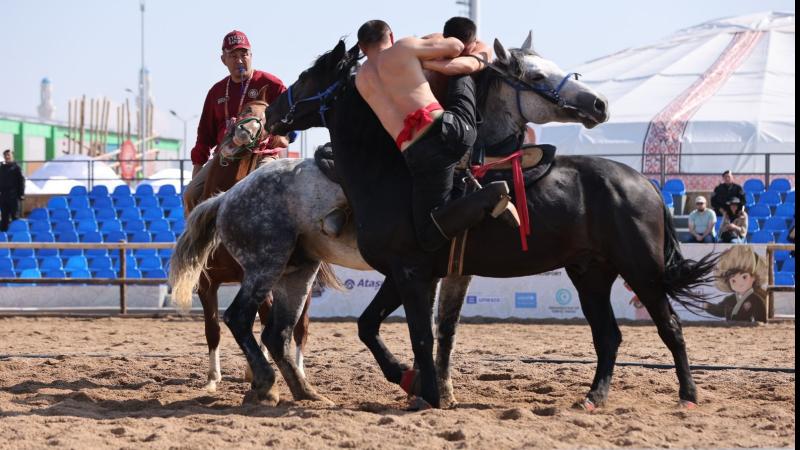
pixel 223 104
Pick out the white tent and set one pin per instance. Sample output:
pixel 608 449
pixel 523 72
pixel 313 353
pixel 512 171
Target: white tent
pixel 168 176
pixel 62 173
pixel 725 86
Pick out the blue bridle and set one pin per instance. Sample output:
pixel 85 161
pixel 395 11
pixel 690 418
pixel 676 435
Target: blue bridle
pixel 323 98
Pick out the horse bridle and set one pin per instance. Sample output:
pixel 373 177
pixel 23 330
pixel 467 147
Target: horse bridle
pixel 323 97
pixel 553 95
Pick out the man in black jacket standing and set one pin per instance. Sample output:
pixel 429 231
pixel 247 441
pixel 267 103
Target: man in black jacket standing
pixel 12 189
pixel 726 191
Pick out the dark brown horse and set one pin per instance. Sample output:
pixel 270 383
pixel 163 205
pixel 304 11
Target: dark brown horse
pixel 230 164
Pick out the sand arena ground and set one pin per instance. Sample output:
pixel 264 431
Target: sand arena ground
pixel 136 383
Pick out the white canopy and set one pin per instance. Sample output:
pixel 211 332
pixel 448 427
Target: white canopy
pixel 725 86
pixel 62 173
pixel 168 176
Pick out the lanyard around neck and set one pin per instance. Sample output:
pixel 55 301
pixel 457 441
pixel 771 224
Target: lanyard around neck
pixel 241 99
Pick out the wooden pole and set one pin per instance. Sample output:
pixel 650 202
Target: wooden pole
pixel 123 288
pixel 69 126
pixel 83 113
pixel 128 115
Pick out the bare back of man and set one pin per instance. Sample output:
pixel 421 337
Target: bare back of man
pixel 393 83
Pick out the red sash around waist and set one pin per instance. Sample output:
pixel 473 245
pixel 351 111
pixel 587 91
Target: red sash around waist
pixel 416 121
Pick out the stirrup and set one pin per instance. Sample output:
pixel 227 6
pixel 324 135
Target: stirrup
pixel 506 211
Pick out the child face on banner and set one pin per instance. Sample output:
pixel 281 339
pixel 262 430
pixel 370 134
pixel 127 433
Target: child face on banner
pixel 741 282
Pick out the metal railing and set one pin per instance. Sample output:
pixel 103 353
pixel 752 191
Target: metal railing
pixel 122 247
pixel 772 288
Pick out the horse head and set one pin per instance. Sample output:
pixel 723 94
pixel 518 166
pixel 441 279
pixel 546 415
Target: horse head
pixel 544 92
pixel 247 132
pixel 305 103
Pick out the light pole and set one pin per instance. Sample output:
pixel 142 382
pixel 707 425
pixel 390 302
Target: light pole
pixel 142 99
pixel 185 122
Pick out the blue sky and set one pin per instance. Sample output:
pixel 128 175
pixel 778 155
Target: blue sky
pixel 92 47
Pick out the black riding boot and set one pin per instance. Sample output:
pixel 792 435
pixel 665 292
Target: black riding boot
pixel 466 212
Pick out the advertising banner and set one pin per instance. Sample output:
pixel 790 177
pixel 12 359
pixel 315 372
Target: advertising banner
pixel 549 295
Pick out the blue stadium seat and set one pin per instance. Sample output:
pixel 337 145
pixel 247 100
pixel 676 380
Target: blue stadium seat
pixel 40 226
pixel 58 273
pixel 3 236
pixel 6 263
pixel 144 190
pixel 85 226
pixel 69 237
pixel 124 202
pixel 667 196
pixel 59 214
pixel 104 274
pixel 152 214
pixel 163 236
pixel 754 186
pixel 39 214
pixel 19 225
pixel 22 236
pixel 141 236
pixel 30 273
pixel 25 263
pixel 155 226
pixel 788 266
pixel 114 236
pixel 105 214
pixel 781 185
pixel 133 226
pixel 131 273
pixel 166 190
pixel 760 212
pixel 17 253
pixel 774 224
pixel 94 237
pixel 78 202
pixel 164 253
pixel 108 226
pixel 784 279
pixel 172 201
pixel 76 263
pixel 165 264
pixel 173 214
pixel 149 263
pixel 781 255
pixel 57 203
pixel 78 273
pixel 179 226
pixel 749 199
pixel 78 191
pixel 44 237
pixel 761 237
pixel 674 186
pixel 100 263
pixel 7 273
pixel 122 191
pixel 147 201
pixel 159 273
pixel 102 203
pixel 129 214
pixel 63 227
pixel 99 191
pixel 789 197
pixel 50 263
pixel 130 261
pixel 769 198
pixel 785 210
pixel 783 237
pixel 83 214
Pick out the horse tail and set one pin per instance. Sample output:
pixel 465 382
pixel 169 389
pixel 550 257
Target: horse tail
pixel 683 276
pixel 192 250
pixel 326 277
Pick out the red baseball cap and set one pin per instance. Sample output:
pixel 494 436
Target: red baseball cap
pixel 235 39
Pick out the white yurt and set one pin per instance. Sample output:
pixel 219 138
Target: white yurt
pixel 714 96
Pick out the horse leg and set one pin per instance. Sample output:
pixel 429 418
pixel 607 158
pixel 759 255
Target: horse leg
pixel 290 296
pixel 301 336
pixel 208 298
pixel 386 301
pixel 594 283
pixel 417 291
pixel 239 318
pixel 263 317
pixel 451 299
pixel 669 329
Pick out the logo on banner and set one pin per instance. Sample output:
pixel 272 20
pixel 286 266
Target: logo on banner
pixel 472 299
pixel 563 297
pixel 351 284
pixel 525 300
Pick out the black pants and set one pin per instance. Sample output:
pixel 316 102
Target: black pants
pixel 432 159
pixel 8 210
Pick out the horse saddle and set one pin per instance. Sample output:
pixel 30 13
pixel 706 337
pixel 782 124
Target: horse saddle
pixel 536 161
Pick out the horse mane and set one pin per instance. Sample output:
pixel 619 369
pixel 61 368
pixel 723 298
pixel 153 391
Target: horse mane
pixel 487 79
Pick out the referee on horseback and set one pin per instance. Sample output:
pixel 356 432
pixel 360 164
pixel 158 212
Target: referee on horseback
pixel 224 103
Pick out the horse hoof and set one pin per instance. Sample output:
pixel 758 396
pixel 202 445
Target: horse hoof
pixel 417 403
pixel 588 405
pixel 211 386
pixel 269 398
pixel 686 404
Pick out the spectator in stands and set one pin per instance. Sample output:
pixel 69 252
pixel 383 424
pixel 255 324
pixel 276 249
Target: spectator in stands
pixel 12 189
pixel 734 223
pixel 724 192
pixel 742 272
pixel 224 102
pixel 701 222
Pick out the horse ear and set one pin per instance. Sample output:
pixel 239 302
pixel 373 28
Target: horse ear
pixel 528 44
pixel 337 54
pixel 500 51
